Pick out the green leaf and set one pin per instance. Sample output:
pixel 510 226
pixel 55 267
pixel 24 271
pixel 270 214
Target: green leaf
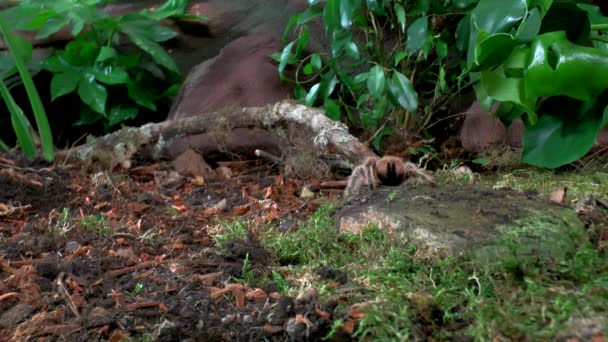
pixel 46 138
pixel 493 17
pixel 530 27
pixel 376 82
pixel 559 67
pixel 567 16
pixel 93 93
pixel 328 84
pixel 493 50
pixel 118 114
pixel 110 75
pixel 143 96
pixel 51 26
pixel 285 56
pixel 402 92
pixel 332 110
pixel 385 132
pixel 315 62
pixel 312 95
pixel 63 83
pixel 399 56
pixel 362 77
pixel 400 12
pixel 146 37
pixel 347 10
pixel 417 35
pixel 308 70
pixel 170 8
pixel 105 53
pixel 21 125
pixel 594 14
pixel 566 131
pixel 302 42
pixel 352 50
pixel 331 15
pixel 442 48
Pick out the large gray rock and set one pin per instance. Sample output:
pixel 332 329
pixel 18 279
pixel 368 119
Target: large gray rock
pixel 446 221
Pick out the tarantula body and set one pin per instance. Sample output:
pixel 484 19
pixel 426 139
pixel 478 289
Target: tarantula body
pixel 388 170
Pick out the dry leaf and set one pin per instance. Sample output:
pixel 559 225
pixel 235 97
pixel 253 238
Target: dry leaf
pixel 559 196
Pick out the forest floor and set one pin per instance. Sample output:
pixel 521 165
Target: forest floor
pixel 144 255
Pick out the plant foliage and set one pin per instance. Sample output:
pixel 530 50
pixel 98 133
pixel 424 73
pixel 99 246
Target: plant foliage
pixel 21 52
pixel 545 59
pixel 110 56
pixel 382 56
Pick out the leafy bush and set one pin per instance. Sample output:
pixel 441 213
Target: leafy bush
pixel 383 56
pixel 545 59
pixel 110 57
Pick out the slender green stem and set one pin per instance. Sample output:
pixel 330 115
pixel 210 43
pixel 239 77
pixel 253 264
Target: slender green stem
pixel 599 27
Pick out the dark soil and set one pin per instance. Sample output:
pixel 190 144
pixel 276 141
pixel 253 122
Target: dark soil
pixel 112 256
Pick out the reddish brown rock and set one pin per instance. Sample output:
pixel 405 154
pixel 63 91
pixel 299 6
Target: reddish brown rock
pixel 481 129
pixel 515 133
pixel 192 163
pixel 242 75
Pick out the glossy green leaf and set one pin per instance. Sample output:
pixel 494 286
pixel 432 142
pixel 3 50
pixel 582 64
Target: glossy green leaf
pixel 401 89
pixel 105 53
pixel 399 56
pixel 285 56
pixel 559 67
pixel 400 13
pixel 146 36
pixel 531 26
pixel 492 51
pixel 331 15
pixel 311 97
pixel 302 42
pixel 110 75
pixel 64 83
pixel 376 82
pixel 347 11
pixel 51 26
pixel 143 96
pixel 352 50
pixel 566 130
pixel 442 48
pixel 417 35
pixel 567 16
pixel 493 17
pixel 332 110
pixel 594 14
pixel 315 62
pixel 328 85
pixel 463 32
pixel 308 70
pixel 362 77
pixel 118 114
pixel 93 94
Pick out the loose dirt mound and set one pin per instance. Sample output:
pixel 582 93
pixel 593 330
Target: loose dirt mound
pixel 107 257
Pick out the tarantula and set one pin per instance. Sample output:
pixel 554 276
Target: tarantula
pixel 388 170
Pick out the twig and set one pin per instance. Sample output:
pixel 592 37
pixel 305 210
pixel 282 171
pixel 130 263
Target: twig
pixel 68 298
pixel 269 156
